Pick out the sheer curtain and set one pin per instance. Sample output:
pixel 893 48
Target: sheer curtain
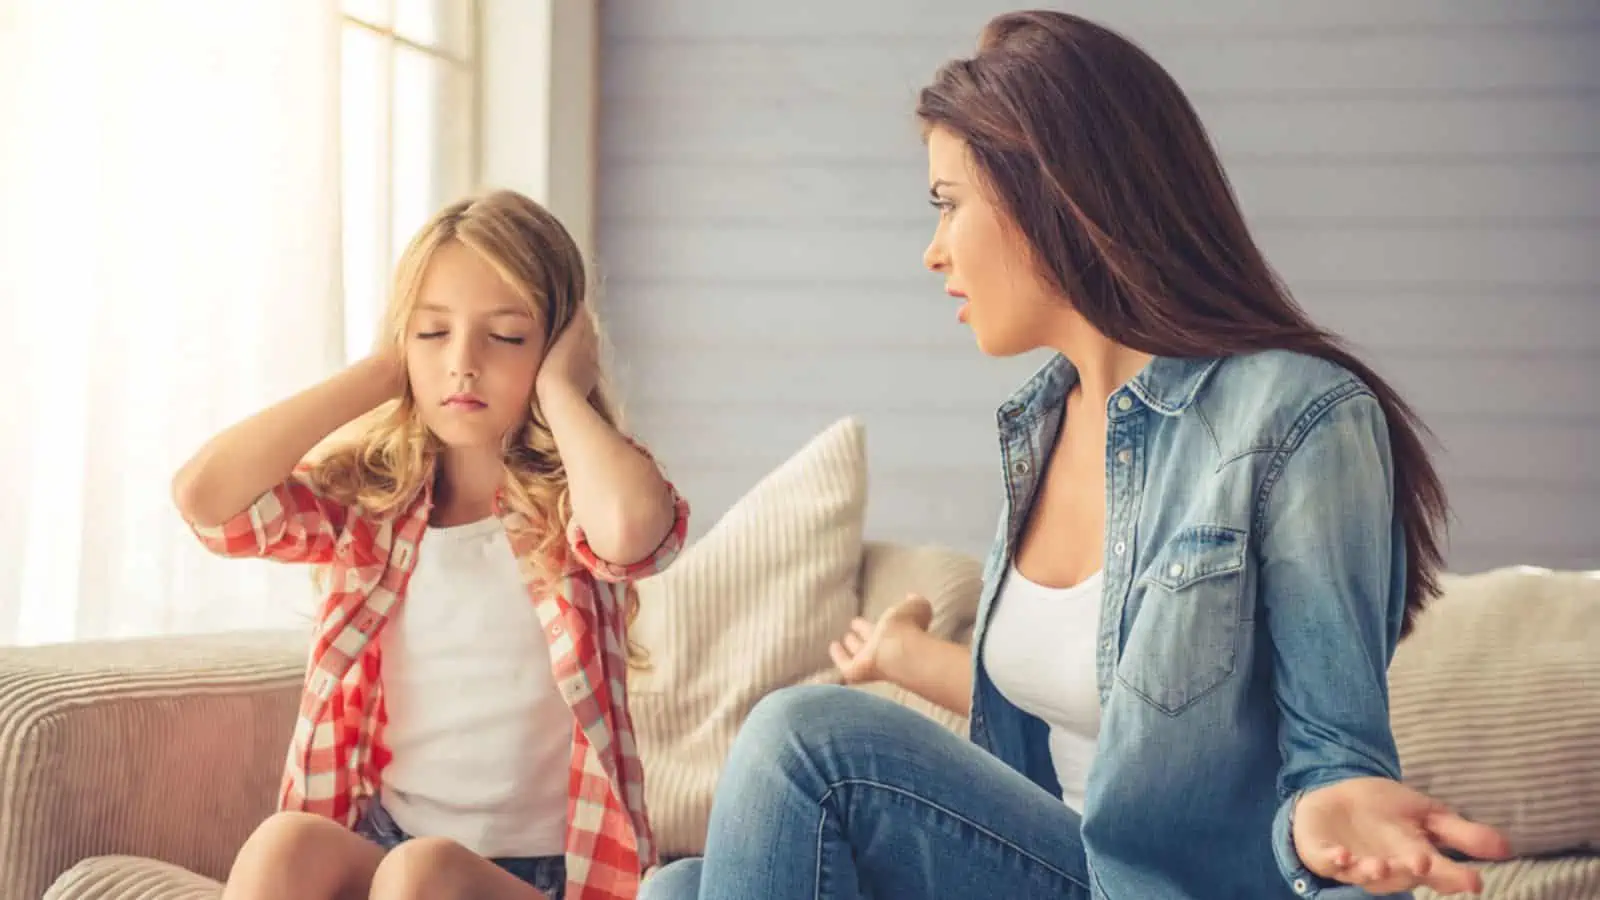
pixel 169 262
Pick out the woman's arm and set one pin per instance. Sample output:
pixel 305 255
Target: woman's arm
pixel 898 649
pixel 1332 588
pixel 250 458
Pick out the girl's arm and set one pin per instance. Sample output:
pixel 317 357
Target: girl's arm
pixel 620 502
pixel 235 468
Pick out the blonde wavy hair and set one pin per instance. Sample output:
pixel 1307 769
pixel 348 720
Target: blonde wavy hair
pixel 379 462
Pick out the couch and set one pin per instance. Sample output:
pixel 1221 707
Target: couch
pixel 135 769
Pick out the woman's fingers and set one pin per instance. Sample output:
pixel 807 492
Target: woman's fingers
pixel 1472 838
pixel 841 659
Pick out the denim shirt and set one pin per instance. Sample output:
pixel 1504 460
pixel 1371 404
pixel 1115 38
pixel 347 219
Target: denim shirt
pixel 1254 586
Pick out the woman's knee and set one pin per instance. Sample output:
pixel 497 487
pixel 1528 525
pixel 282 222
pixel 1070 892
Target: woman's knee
pixel 678 880
pixel 800 712
pixel 811 730
pixel 425 867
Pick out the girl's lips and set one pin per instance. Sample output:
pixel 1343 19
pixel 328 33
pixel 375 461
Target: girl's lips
pixel 464 401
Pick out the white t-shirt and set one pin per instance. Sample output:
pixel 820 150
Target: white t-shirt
pixel 482 739
pixel 1040 653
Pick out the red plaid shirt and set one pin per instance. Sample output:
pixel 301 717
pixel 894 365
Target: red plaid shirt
pixel 337 754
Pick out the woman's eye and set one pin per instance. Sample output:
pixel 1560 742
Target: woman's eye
pixel 430 335
pixel 508 339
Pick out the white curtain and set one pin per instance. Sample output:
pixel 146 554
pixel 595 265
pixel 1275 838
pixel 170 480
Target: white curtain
pixel 169 262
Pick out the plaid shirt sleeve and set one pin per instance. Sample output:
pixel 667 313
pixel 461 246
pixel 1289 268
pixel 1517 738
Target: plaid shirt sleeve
pixel 659 558
pixel 292 522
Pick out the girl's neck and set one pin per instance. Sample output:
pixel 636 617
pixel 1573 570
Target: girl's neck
pixel 465 485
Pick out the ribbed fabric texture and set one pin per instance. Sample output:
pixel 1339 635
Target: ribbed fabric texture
pixel 169 749
pixel 747 609
pixel 1570 878
pixel 1496 705
pixel 132 878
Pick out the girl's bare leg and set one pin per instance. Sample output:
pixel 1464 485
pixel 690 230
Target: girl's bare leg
pixel 301 855
pixel 441 869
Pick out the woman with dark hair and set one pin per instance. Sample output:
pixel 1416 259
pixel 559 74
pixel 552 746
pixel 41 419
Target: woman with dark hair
pixel 1218 524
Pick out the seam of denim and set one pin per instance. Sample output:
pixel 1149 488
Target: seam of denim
pixel 822 827
pixel 867 782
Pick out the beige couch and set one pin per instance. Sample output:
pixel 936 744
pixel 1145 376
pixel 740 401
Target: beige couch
pixel 135 769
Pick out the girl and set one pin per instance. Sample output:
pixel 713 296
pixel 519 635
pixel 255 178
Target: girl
pixel 1218 524
pixel 464 729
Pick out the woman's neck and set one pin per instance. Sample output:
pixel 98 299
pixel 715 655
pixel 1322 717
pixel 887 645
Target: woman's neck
pixel 465 485
pixel 1103 364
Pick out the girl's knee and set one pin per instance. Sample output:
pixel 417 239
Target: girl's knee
pixel 287 835
pixel 425 867
pixel 308 855
pixel 675 881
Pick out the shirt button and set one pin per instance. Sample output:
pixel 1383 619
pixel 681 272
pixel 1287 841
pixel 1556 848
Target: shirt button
pixel 1120 548
pixel 1300 885
pixel 1124 403
pixel 1124 456
pixel 1175 570
pixel 1021 467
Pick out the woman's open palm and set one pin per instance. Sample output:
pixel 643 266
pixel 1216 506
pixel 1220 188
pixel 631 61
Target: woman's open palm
pixel 1386 837
pixel 860 654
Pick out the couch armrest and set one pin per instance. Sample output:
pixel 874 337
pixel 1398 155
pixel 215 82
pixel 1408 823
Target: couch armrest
pixel 168 748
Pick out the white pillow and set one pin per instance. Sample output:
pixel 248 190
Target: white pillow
pixel 747 609
pixel 1495 702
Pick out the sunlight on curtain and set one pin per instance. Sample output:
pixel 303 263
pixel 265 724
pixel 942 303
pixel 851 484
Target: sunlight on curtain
pixel 169 262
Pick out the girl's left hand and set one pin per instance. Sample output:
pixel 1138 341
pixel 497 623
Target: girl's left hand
pixel 573 362
pixel 1385 837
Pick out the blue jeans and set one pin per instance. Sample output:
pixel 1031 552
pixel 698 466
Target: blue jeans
pixel 545 873
pixel 833 792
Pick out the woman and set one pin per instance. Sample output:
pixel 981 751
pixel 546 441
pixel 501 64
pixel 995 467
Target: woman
pixel 1217 526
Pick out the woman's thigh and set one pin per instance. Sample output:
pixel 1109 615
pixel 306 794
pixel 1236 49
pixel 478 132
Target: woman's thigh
pixel 833 792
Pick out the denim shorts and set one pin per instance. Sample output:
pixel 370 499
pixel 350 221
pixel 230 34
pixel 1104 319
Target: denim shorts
pixel 546 873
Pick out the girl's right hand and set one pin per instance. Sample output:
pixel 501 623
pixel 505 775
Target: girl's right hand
pixel 872 651
pixel 249 458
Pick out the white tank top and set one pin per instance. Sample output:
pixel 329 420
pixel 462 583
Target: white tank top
pixel 1039 651
pixel 482 739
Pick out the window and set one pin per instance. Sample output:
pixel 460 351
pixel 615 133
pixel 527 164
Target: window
pixel 411 73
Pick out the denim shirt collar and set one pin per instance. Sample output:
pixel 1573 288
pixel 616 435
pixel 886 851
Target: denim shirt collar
pixel 1166 384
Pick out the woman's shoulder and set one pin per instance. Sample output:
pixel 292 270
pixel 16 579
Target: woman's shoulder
pixel 1262 401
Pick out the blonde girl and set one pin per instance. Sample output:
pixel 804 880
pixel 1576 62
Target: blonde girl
pixel 464 728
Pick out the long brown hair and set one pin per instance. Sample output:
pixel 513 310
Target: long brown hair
pixel 1101 161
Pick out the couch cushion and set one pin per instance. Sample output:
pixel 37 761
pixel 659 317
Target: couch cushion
pixel 1496 705
pixel 131 878
pixel 745 610
pixel 1566 878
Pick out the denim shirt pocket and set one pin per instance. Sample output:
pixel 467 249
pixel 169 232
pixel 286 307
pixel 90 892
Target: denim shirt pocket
pixel 1183 642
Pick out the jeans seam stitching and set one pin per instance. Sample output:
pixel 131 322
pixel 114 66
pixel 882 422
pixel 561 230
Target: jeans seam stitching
pixel 822 827
pixel 834 786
